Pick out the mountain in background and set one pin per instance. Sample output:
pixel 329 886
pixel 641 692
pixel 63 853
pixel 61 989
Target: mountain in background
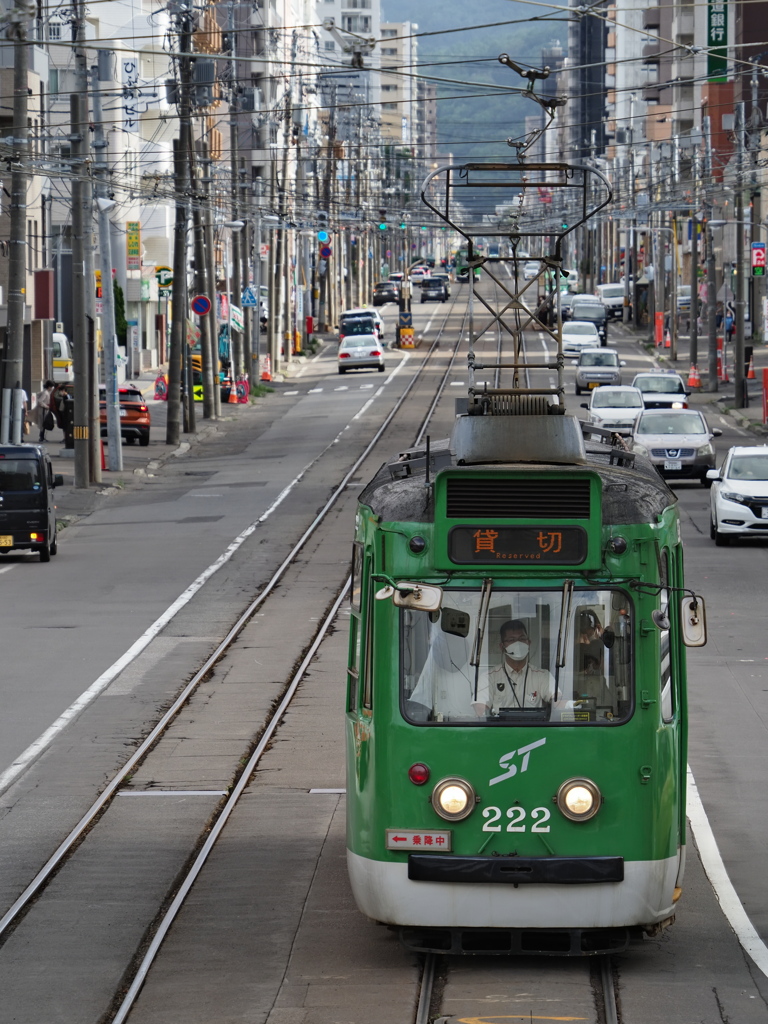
pixel 472 122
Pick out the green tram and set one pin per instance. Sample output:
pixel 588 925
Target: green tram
pixel 462 265
pixel 516 704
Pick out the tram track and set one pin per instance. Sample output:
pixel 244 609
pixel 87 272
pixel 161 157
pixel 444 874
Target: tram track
pixel 436 970
pixel 36 888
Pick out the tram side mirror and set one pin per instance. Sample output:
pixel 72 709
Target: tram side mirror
pixel 418 596
pixel 693 621
pixel 609 637
pixel 454 622
pixel 660 619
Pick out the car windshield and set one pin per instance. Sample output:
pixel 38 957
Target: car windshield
pixel 587 311
pixel 581 329
pixel 603 399
pixel 353 327
pixel 613 291
pixel 362 342
pixel 661 385
pixel 749 467
pixel 672 423
pixel 18 475
pixel 599 359
pixel 444 681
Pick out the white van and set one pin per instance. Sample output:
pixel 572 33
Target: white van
pixel 612 297
pixel 63 367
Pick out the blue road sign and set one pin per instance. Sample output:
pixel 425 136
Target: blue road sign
pixel 248 299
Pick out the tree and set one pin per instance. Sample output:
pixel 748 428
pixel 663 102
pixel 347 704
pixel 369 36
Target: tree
pixel 121 324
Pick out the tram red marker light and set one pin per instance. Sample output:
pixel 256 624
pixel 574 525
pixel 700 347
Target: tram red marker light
pixel 418 774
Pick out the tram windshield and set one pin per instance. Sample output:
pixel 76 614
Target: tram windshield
pixel 519 657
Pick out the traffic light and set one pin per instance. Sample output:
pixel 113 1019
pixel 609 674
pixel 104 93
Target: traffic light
pixel 322 236
pixel 383 226
pixel 382 220
pixel 564 225
pixel 403 225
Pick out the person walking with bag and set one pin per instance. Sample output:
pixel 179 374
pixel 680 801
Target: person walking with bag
pixel 45 418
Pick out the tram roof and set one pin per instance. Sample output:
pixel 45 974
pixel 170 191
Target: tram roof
pixel 632 493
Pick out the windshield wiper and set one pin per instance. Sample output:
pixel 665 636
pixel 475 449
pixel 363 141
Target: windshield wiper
pixel 482 618
pixel 562 635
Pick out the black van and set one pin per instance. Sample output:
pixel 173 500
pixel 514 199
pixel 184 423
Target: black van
pixel 27 512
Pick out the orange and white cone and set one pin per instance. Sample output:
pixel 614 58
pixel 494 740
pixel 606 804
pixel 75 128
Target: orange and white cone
pixel 232 399
pixel 667 340
pixel 266 373
pixel 751 370
pixel 694 380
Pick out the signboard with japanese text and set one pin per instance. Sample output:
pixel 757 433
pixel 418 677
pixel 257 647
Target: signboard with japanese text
pixel 758 259
pixel 408 839
pixel 717 41
pixel 133 245
pixel 164 277
pixel 237 317
pixel 130 68
pixel 493 545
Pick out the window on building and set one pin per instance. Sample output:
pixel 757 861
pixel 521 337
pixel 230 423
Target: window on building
pixel 389 106
pixel 389 51
pixel 388 33
pixel 360 5
pixel 356 22
pixel 389 88
pixel 54 31
pixel 329 44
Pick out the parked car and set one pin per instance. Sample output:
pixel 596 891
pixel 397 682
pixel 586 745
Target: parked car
pixel 578 335
pixel 61 354
pixel 27 511
pixel 385 291
pixel 361 351
pixel 677 441
pixel 612 297
pixel 588 307
pixel 662 390
pixel 615 408
pixel 739 496
pixel 683 298
pixel 433 289
pixel 361 312
pixel 531 269
pixel 135 417
pixel 598 366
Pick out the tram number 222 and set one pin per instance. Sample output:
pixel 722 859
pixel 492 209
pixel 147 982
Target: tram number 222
pixel 516 815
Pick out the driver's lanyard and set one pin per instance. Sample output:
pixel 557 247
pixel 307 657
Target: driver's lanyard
pixel 512 685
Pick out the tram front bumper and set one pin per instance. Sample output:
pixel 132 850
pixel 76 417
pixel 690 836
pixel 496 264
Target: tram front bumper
pixel 515 870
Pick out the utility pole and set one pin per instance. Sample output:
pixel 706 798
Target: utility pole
pixel 712 384
pixel 210 256
pixel 13 354
pixel 236 341
pixel 739 380
pixel 179 293
pixel 202 288
pixel 104 204
pixel 81 218
pixel 693 330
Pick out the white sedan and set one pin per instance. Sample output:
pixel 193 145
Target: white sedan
pixel 739 495
pixel 578 335
pixel 418 274
pixel 615 408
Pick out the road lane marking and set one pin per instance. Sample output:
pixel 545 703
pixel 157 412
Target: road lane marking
pixel 290 392
pixel 715 871
pixel 6 568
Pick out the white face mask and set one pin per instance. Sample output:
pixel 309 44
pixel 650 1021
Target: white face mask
pixel 518 650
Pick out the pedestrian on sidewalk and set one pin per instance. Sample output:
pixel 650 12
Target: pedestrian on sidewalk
pixel 45 418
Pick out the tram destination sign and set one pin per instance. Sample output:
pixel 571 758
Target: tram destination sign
pixel 519 545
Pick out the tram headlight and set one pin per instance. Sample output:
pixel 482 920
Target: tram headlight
pixel 453 799
pixel 579 799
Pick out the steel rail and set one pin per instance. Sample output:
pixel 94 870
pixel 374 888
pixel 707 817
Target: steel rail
pixel 609 992
pixel 105 797
pixel 223 817
pixel 426 989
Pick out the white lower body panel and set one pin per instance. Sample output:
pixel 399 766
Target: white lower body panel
pixel 384 892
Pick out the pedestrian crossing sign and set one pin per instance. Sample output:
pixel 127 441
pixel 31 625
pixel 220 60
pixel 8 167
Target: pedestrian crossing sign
pixel 249 297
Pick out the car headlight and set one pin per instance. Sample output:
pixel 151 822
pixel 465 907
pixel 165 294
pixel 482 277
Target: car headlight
pixel 677 405
pixel 579 799
pixel 640 449
pixel 733 496
pixel 453 798
pixel 706 449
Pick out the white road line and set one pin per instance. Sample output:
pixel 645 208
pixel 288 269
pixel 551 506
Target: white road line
pixel 6 568
pixel 43 741
pixel 290 392
pixel 730 426
pixel 715 870
pixel 314 391
pixel 344 387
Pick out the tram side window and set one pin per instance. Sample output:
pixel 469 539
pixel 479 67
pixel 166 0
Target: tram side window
pixel 665 648
pixel 456 669
pixel 353 670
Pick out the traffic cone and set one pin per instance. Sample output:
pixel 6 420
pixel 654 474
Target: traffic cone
pixel 751 370
pixel 266 373
pixel 694 380
pixel 667 340
pixel 232 399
